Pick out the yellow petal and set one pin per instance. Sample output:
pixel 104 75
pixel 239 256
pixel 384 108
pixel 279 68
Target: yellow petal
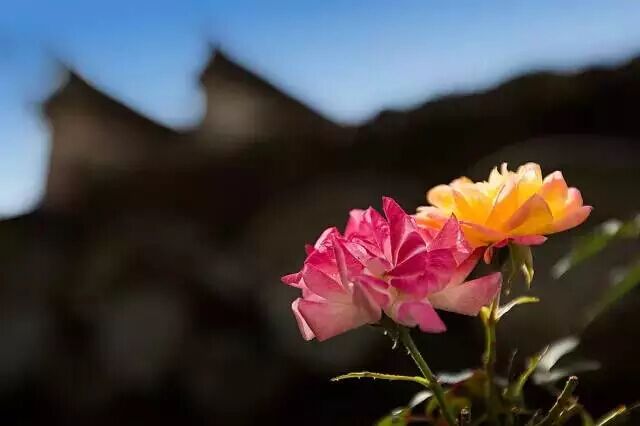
pixel 529 181
pixel 573 219
pixel 554 191
pixel 441 196
pixel 430 217
pixel 479 236
pixel 472 204
pixel 506 203
pixel 462 180
pixel 532 218
pixel 574 199
pixel 495 177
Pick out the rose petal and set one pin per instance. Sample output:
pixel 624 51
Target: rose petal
pixel 421 314
pixel 532 218
pixel 451 237
pixel 479 235
pixel 348 265
pixel 505 204
pixel 467 298
pixel 465 268
pixel 441 196
pixel 554 191
pixel 305 330
pixel 574 219
pixel 376 288
pixel 292 279
pixel 404 237
pixel 529 180
pixel 322 284
pixel 326 319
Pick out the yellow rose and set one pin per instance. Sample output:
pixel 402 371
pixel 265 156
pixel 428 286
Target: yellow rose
pixel 516 206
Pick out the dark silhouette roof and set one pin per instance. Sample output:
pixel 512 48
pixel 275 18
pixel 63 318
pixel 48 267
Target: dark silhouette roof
pixel 221 65
pixel 77 89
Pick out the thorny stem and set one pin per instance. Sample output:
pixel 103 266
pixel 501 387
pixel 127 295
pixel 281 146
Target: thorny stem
pixel 561 403
pixel 434 385
pixel 382 376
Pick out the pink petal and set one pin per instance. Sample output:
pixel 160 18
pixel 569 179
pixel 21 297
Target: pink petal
pixel 325 237
pixel 469 297
pixel 367 301
pixel 465 268
pixel 451 237
pixel 348 265
pixel 408 276
pixel 421 314
pixel 488 253
pixel 529 240
pixel 440 266
pixel 292 279
pixel 573 219
pixel 412 245
pixel 355 222
pixel 322 284
pixel 369 229
pixel 377 289
pixel 326 319
pixel 305 330
pixel 424 273
pixel 324 260
pixel 379 228
pixel 403 234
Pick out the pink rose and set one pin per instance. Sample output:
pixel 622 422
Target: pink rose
pixel 391 266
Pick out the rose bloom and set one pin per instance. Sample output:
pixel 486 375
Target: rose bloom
pixel 387 265
pixel 516 206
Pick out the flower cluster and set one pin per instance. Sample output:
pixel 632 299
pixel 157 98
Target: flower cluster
pixel 387 265
pixel 406 267
pixel 397 270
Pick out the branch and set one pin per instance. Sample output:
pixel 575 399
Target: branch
pixel 381 376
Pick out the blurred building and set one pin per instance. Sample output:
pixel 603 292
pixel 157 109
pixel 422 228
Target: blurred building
pixel 150 271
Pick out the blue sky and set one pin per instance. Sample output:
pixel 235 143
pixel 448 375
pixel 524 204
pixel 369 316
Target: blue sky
pixel 347 59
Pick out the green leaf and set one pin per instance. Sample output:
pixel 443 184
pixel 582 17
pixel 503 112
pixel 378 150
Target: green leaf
pixel 613 417
pixel 547 372
pixel 514 390
pixel 593 243
pixel 515 302
pixel 586 418
pixel 627 282
pixel 399 417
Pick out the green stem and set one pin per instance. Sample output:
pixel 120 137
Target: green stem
pixel 382 376
pixel 489 357
pixel 434 385
pixel 564 400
